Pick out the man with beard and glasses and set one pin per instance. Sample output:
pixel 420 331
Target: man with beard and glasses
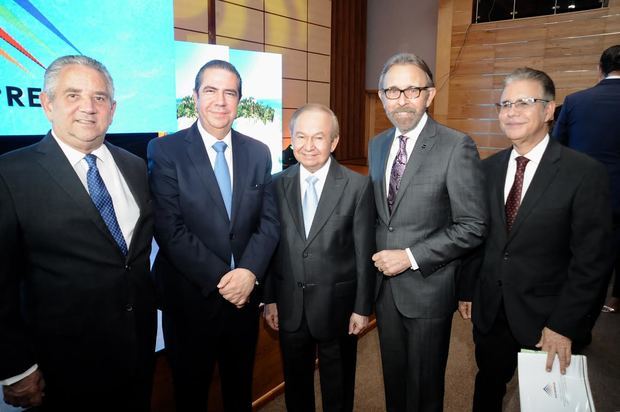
pixel 428 189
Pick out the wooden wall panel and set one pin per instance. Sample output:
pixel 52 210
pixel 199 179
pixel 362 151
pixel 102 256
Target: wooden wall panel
pixel 238 22
pixel 566 46
pixel 191 14
pixel 284 32
pixel 295 9
pixel 348 77
pixel 294 62
pixel 320 12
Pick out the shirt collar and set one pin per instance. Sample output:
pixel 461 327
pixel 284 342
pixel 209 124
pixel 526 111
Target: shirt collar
pixel 209 140
pixel 415 132
pixel 75 156
pixel 320 174
pixel 535 154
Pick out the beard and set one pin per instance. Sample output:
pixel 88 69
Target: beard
pixel 406 122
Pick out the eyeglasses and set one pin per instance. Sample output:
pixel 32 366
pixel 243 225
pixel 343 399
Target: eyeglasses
pixel 413 92
pixel 519 104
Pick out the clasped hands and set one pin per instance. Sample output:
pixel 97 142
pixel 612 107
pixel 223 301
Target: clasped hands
pixel 236 286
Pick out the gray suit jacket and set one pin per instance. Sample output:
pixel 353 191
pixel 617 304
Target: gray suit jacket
pixel 330 274
pixel 439 213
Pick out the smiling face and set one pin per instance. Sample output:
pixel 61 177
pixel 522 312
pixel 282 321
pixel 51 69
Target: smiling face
pixel 217 100
pixel 312 139
pixel 525 127
pixel 81 108
pixel 405 114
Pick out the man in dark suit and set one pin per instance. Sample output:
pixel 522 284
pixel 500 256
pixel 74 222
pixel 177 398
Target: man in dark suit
pixel 588 124
pixel 535 280
pixel 428 191
pixel 319 288
pixel 217 226
pixel 77 304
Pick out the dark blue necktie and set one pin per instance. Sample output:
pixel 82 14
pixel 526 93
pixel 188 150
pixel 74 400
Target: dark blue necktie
pixel 103 202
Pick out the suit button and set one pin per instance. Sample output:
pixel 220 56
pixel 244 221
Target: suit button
pixel 506 256
pixel 129 307
pixel 128 268
pixel 390 229
pixel 300 285
pixel 305 254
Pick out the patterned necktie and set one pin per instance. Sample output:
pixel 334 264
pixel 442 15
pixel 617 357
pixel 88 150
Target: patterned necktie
pixel 513 201
pixel 310 203
pixel 222 174
pixel 103 202
pixel 398 169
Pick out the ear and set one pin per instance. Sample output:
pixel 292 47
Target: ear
pixel 46 104
pixel 334 143
pixel 195 98
pixel 431 95
pixel 549 111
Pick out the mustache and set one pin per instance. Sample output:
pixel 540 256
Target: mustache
pixel 404 110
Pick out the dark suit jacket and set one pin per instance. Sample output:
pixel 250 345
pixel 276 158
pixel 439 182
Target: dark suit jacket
pixel 192 228
pixel 588 123
pixel 329 275
pixel 69 300
pixel 439 213
pixel 551 266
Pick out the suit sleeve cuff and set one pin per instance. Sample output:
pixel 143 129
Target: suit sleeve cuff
pixel 17 378
pixel 414 264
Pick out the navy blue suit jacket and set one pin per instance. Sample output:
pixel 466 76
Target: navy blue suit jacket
pixel 588 123
pixel 195 235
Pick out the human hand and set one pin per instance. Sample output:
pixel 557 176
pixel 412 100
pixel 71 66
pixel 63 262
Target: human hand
pixel 553 343
pixel 236 286
pixel 465 309
pixel 391 262
pixel 357 324
pixel 270 311
pixel 27 392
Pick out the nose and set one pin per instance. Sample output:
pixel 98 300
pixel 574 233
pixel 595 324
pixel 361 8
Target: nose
pixel 88 105
pixel 402 100
pixel 220 99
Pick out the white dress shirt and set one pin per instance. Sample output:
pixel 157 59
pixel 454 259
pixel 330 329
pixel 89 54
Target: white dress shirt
pixel 125 206
pixel 320 174
pixel 209 140
pixel 534 157
pixel 412 135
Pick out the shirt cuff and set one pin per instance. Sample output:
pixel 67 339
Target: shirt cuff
pixel 414 264
pixel 17 378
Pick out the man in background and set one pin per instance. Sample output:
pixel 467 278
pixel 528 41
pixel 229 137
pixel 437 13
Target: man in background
pixel 535 280
pixel 588 124
pixel 217 226
pixel 320 284
pixel 428 190
pixel 77 304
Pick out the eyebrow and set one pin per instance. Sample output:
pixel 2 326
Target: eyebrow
pixel 215 88
pixel 74 90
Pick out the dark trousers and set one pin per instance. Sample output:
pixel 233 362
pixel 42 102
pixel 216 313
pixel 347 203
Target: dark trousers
pixel 496 357
pixel 337 361
pixel 414 353
pixel 228 338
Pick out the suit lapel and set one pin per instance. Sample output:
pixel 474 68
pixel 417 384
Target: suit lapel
pixel 330 195
pixel 381 159
pixel 61 171
pixel 292 194
pixel 423 145
pixel 496 181
pixel 133 178
pixel 198 155
pixel 545 173
pixel 241 160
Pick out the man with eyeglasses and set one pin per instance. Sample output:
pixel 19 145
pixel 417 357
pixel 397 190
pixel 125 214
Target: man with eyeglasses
pixel 428 189
pixel 534 282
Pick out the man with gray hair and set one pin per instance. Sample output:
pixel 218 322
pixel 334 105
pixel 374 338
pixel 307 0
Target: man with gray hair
pixel 428 189
pixel 536 279
pixel 77 304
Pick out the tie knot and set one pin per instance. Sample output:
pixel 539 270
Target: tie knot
pixel 311 180
pixel 403 139
pixel 91 160
pixel 521 162
pixel 220 147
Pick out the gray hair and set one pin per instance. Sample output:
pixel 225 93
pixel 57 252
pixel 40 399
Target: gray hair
pixel 217 64
pixel 335 129
pixel 527 73
pixel 405 59
pixel 52 72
